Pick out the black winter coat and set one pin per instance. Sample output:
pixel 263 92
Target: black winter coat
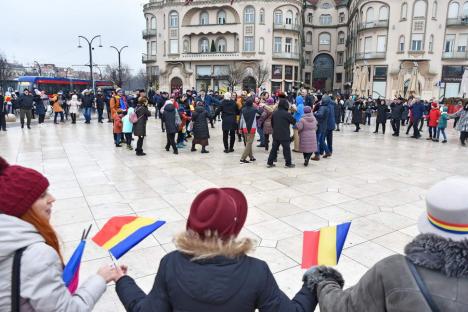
pixel 139 128
pixel 39 104
pixel 200 123
pixel 281 121
pixel 219 284
pixel 169 119
pixel 397 111
pixel 322 117
pixel 382 112
pixel 228 110
pixel 338 112
pixel 3 109
pixel 87 101
pixel 25 101
pixel 357 113
pixel 100 102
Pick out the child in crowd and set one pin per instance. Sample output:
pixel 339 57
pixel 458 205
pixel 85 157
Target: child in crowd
pixel 128 128
pixel 118 127
pixel 182 131
pixel 441 125
pixel 433 119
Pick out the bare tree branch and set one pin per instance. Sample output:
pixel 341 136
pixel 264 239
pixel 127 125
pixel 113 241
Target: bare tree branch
pixel 234 76
pixel 262 74
pixel 6 72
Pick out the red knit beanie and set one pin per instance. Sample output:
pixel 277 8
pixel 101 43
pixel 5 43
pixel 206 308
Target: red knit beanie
pixel 20 187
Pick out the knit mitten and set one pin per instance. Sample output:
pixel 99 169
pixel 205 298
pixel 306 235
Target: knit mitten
pixel 318 274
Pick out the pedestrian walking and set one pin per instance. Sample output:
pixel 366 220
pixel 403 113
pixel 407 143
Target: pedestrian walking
pixel 382 115
pixel 307 128
pixel 57 108
pixel 433 119
pixel 3 112
pixel 209 270
pixel 417 111
pixel 200 130
pixel 338 109
pixel 321 115
pixel 248 127
pixel 281 122
pixel 228 110
pixel 462 124
pixel 396 113
pixel 265 120
pixel 139 128
pixel 25 104
pixel 87 102
pixel 127 128
pixel 169 120
pixel 357 115
pixel 298 113
pixel 41 106
pixel 31 262
pixel 117 127
pixel 100 103
pixel 74 107
pixel 331 121
pixel 442 125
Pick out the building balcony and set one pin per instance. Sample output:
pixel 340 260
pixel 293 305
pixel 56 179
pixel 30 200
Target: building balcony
pixel 373 25
pixel 455 55
pixel 217 56
pixel 457 21
pixel 148 58
pixel 147 33
pixel 286 55
pixel 370 55
pixel 291 27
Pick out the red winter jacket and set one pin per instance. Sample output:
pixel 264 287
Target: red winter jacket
pixel 434 116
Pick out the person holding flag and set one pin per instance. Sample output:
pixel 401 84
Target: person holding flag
pixel 31 263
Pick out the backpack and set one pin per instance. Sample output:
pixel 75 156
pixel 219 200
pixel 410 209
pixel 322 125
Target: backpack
pixel 133 117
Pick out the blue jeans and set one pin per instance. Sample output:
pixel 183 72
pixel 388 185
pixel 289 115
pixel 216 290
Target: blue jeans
pixel 441 130
pixel 330 140
pixel 321 145
pixel 87 114
pixel 117 138
pixel 262 136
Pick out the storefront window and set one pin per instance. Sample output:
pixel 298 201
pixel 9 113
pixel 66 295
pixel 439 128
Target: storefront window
pixel 288 72
pixel 277 72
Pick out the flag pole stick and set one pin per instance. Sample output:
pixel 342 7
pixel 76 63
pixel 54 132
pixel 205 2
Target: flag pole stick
pixel 114 261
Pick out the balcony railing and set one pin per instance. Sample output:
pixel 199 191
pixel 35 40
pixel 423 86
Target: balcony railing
pixel 209 55
pixel 370 55
pixel 286 55
pixel 372 25
pixel 148 33
pixel 148 58
pixel 457 21
pixel 292 27
pixel 455 55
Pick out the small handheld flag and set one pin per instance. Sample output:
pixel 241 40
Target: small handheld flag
pixel 71 271
pixel 324 246
pixel 120 234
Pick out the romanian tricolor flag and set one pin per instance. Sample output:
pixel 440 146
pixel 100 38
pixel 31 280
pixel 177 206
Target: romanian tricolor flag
pixel 71 272
pixel 120 234
pixel 324 246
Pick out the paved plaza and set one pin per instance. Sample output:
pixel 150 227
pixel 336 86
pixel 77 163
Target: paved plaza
pixel 379 182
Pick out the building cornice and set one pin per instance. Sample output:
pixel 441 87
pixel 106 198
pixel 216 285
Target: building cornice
pixel 203 3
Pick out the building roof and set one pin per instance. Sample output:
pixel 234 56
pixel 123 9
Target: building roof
pixel 337 2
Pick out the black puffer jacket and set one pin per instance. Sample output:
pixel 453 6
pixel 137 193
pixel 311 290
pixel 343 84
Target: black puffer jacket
pixel 219 284
pixel 357 112
pixel 200 123
pixel 228 110
pixel 169 119
pixel 87 101
pixel 25 101
pixel 281 121
pixel 382 113
pixel 397 110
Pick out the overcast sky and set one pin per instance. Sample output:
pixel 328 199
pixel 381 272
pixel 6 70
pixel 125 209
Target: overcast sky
pixel 47 31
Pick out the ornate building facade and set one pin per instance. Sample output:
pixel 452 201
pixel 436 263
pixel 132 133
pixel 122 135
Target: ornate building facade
pixel 315 43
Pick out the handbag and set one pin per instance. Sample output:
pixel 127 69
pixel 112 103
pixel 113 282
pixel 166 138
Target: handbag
pixel 16 281
pixel 422 287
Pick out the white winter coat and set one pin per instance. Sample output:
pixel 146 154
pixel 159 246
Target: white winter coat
pixel 42 288
pixel 74 104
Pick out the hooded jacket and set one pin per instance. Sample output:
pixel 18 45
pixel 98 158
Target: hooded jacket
pixel 322 116
pixel 390 286
pixel 42 287
pixel 218 284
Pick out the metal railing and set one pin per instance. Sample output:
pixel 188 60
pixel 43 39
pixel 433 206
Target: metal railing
pixel 455 55
pixel 286 55
pixel 457 21
pixel 293 27
pixel 370 55
pixel 209 55
pixel 148 33
pixel 371 25
pixel 148 58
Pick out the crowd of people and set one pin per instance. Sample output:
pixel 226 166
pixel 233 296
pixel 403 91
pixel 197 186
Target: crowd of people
pixel 186 118
pixel 210 269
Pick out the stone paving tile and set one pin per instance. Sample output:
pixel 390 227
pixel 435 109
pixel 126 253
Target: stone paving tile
pixel 381 190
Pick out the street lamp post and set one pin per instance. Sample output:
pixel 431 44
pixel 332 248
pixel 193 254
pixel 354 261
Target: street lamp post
pixel 90 46
pixel 39 67
pixel 120 67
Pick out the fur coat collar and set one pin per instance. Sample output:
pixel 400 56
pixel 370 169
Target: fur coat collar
pixel 437 253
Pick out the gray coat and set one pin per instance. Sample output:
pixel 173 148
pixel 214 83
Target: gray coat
pixel 42 287
pixel 139 128
pixel 462 124
pixel 390 286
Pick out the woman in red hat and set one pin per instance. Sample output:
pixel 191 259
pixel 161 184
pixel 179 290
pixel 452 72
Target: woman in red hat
pixel 210 270
pixel 26 235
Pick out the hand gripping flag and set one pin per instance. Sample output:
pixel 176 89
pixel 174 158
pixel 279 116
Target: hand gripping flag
pixel 324 246
pixel 71 271
pixel 120 234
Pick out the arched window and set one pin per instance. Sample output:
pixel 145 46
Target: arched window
pixel 453 9
pixel 262 16
pixel 325 19
pixel 324 39
pixel 341 37
pixel 249 15
pixel 289 17
pixel 204 18
pixel 173 19
pixel 204 45
pixel 221 45
pixel 383 13
pixel 370 15
pixel 148 25
pixel 465 9
pixel 261 45
pixel 186 46
pixel 431 43
pixel 278 20
pixel 221 17
pixel 308 37
pixel 419 9
pixel 310 17
pixel 401 44
pixel 153 23
pixel 404 11
pixel 434 10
